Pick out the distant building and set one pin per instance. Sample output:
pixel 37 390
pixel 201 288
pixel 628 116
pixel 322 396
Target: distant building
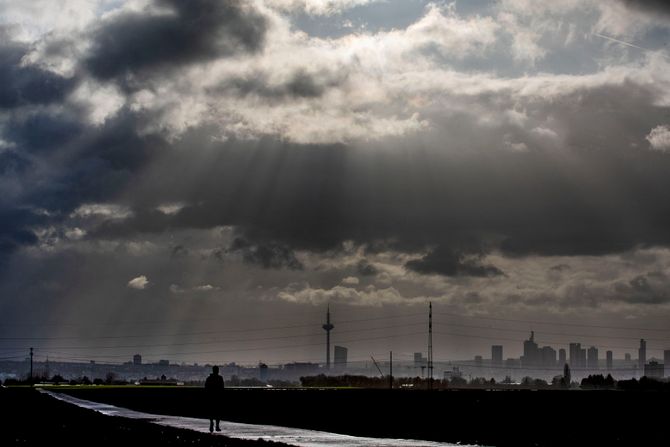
pixel 478 361
pixel 592 358
pixel 496 355
pixel 455 372
pixel 654 370
pixel 163 363
pixel 263 371
pixel 666 360
pixel 531 353
pixel 642 355
pixel 548 356
pixel 610 360
pixel 512 363
pixel 582 357
pixel 419 360
pixel 137 359
pixel 298 369
pixel 340 357
pixel 575 355
pixel 562 359
pixel 627 357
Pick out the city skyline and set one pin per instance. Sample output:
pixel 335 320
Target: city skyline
pixel 533 356
pixel 200 180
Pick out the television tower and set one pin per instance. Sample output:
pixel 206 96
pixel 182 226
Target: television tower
pixel 328 327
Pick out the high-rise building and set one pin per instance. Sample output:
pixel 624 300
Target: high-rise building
pixel 642 355
pixel 592 358
pixel 478 361
pixel 575 354
pixel 610 360
pixel 137 359
pixel 340 357
pixel 263 371
pixel 626 357
pixel 666 361
pixel 531 353
pixel 653 370
pixel 496 355
pixel 548 356
pixel 562 359
pixel 419 360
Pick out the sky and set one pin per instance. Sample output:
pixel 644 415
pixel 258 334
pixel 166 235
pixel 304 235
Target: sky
pixel 198 180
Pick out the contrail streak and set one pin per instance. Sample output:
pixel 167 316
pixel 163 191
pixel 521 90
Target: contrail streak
pixel 622 42
pixel 628 44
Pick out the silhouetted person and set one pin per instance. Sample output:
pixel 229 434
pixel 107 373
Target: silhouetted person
pixel 214 390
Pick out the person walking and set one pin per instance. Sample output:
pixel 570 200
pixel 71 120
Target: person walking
pixel 214 389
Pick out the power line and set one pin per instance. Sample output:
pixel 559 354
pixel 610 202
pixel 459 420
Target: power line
pixel 546 341
pixel 217 332
pixel 191 320
pixel 260 348
pixel 161 345
pixel 556 333
pixel 512 320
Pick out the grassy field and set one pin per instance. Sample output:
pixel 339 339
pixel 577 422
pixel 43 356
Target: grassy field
pixel 500 418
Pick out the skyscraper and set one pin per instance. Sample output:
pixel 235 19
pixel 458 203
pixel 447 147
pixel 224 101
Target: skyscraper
pixel 340 357
pixel 531 353
pixel 575 354
pixel 666 361
pixel 642 355
pixel 610 360
pixel 496 355
pixel 137 359
pixel 562 359
pixel 592 358
pixel 548 356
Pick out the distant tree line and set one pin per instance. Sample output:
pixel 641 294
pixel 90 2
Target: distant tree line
pixel 596 381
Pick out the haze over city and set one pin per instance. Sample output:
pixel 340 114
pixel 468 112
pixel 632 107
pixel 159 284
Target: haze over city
pixel 197 181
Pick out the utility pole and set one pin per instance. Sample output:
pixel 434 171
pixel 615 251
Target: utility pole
pixel 430 346
pixel 391 370
pixel 31 366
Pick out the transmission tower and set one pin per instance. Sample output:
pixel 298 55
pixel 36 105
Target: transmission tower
pixel 430 346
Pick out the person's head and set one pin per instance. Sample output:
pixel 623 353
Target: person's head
pixel 215 369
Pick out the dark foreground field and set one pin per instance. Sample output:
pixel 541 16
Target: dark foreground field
pixel 29 418
pixel 499 418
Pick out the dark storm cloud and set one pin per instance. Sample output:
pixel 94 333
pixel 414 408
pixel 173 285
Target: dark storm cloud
pixel 447 262
pixel 179 251
pixel 26 85
pixel 12 162
pixel 364 268
pixel 15 230
pixel 268 255
pixel 198 30
pixel 93 166
pixel 300 84
pixel 43 131
pixel 651 288
pixel 601 192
